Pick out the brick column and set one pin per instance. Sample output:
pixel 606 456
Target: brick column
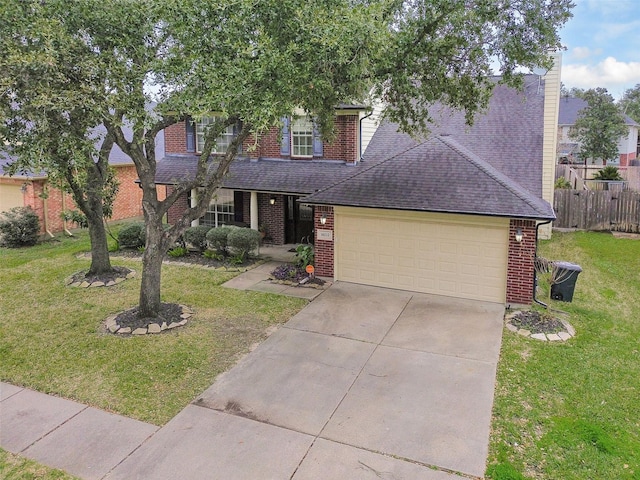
pixel 324 248
pixel 520 266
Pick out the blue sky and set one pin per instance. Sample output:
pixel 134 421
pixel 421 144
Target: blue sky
pixel 603 45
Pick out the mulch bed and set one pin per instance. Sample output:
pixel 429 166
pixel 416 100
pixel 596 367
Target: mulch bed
pixel 537 322
pixel 82 276
pixel 169 313
pixel 195 258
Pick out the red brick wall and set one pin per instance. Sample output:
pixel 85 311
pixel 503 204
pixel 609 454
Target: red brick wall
pixel 520 266
pixel 625 158
pixel 177 209
pixel 128 203
pixel 175 138
pixel 323 248
pixel 344 147
pixel 272 217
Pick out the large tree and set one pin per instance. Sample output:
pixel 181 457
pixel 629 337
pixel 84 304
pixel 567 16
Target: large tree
pixel 253 63
pixel 48 115
pixel 599 126
pixel 630 102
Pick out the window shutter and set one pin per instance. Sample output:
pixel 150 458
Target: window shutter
pixel 318 149
pixel 285 145
pixel 190 128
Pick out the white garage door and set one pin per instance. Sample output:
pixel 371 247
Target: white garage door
pixel 454 255
pixel 10 196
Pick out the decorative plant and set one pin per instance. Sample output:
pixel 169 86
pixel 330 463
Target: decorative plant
pixel 608 173
pixel 19 227
pixel 562 183
pixel 197 237
pixel 178 252
pixel 304 255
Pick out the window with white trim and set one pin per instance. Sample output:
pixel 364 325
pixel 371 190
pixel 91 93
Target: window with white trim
pixel 302 137
pixel 223 141
pixel 221 210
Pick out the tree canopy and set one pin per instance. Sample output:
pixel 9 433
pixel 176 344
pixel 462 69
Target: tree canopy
pixel 599 126
pixel 253 63
pixel 630 102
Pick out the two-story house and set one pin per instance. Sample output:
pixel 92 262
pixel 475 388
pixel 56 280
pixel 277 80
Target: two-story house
pixel 569 147
pixel 455 214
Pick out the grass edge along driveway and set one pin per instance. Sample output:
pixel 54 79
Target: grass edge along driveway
pixel 572 410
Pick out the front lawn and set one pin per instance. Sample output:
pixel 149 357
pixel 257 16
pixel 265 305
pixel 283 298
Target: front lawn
pixel 572 410
pixel 51 338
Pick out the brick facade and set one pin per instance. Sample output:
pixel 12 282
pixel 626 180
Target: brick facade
pixel 128 202
pixel 344 147
pixel 179 206
pixel 272 218
pixel 324 248
pixel 520 266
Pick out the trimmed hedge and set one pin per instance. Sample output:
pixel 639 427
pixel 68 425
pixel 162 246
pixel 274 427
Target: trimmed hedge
pixel 132 236
pixel 243 241
pixel 19 227
pixel 197 236
pixel 217 238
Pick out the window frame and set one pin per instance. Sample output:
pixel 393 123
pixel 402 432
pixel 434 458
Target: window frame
pixel 308 134
pixel 221 209
pixel 224 139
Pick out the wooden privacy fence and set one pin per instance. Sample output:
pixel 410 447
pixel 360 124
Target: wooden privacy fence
pixel 597 210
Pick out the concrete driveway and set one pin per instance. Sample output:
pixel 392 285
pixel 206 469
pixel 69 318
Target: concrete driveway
pixel 363 383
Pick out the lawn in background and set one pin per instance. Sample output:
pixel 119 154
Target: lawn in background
pixel 52 339
pixel 572 410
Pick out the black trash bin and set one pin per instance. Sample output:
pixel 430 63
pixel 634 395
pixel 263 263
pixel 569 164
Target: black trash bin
pixel 563 281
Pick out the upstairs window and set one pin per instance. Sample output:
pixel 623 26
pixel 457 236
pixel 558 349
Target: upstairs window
pixel 223 141
pixel 302 137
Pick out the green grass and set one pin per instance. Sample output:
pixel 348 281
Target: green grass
pixel 51 338
pixel 14 467
pixel 572 410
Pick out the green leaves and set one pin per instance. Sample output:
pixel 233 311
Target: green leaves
pixel 599 126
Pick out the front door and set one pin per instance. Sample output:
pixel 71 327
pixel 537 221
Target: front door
pixel 298 221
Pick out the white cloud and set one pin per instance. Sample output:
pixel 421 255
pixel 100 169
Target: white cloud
pixel 611 74
pixel 580 53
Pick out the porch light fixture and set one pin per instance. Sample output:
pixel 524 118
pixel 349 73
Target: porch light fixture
pixel 519 235
pixel 323 219
pixel 272 200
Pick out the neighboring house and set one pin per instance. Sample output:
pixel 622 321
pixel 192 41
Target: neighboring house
pixel 34 190
pixel 569 148
pixel 456 214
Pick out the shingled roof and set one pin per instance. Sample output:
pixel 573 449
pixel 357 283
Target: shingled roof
pixel 570 109
pixel 299 177
pixel 438 175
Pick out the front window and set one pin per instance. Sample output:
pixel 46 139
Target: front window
pixel 302 137
pixel 221 210
pixel 223 141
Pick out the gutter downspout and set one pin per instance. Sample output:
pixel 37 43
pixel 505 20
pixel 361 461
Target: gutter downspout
pixel 535 273
pixel 360 134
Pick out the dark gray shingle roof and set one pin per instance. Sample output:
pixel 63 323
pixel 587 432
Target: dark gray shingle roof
pixel 570 109
pixel 438 175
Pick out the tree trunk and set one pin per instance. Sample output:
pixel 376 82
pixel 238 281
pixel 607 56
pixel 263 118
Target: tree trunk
pixel 100 261
pixel 151 269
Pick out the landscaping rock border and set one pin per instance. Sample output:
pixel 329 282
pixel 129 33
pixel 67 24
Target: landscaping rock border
pixel 117 278
pixel 111 324
pixel 561 336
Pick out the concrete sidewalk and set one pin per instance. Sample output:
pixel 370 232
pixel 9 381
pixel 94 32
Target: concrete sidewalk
pixel 363 383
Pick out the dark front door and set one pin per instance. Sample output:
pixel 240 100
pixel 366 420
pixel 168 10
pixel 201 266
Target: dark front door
pixel 298 221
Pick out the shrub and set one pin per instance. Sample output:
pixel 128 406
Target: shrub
pixel 562 183
pixel 197 236
pixel 211 254
pixel 19 227
pixel 243 241
pixel 177 252
pixel 304 255
pixel 217 238
pixel 79 218
pixel 132 236
pixel 608 173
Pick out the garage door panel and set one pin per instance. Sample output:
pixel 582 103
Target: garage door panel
pixel 434 253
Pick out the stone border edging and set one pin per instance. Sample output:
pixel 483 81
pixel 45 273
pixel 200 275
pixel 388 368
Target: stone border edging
pixel 552 337
pixel 113 327
pixel 98 283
